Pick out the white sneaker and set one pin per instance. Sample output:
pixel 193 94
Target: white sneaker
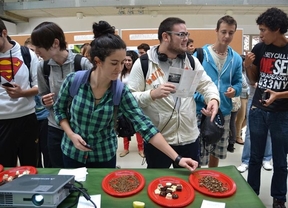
pixel 267 166
pixel 242 168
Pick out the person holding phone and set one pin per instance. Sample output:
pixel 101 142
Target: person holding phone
pixel 267 65
pixel 18 135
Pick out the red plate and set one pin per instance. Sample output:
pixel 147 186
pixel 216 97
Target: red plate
pixel 186 196
pixel 109 190
pixel 230 184
pixel 21 169
pixel 1 168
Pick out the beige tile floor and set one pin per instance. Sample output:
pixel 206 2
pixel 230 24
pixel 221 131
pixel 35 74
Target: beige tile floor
pixel 133 160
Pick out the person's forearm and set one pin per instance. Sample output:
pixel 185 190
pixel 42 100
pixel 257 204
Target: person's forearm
pixel 66 127
pixel 160 143
pixel 30 92
pixel 280 95
pixel 251 73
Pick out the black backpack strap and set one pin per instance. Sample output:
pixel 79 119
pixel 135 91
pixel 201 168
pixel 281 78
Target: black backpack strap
pixel 46 72
pixel 46 67
pixel 191 59
pixel 27 59
pixel 144 64
pixel 200 54
pixel 77 62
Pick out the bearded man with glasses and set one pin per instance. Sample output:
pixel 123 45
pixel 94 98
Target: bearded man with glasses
pixel 175 117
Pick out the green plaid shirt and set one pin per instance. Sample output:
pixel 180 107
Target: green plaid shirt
pixel 95 123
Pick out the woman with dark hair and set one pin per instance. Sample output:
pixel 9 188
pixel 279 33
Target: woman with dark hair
pixel 131 57
pixel 91 121
pixel 85 50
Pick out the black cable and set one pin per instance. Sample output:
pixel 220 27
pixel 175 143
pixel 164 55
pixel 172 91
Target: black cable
pixel 81 190
pixel 170 115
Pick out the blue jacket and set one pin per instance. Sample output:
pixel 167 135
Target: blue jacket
pixel 231 75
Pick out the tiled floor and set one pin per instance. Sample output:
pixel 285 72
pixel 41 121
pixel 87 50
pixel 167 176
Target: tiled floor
pixel 133 160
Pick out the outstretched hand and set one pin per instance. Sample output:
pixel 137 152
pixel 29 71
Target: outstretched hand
pixel 188 163
pixel 211 109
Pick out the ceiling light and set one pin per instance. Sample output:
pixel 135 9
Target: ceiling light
pixel 79 15
pixel 154 13
pixel 229 12
pixel 141 10
pixel 130 11
pixel 121 11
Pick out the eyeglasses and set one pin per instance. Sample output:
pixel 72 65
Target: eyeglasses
pixel 182 35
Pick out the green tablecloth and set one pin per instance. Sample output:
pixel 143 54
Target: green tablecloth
pixel 243 198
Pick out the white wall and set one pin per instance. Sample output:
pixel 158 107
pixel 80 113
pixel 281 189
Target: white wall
pixel 137 21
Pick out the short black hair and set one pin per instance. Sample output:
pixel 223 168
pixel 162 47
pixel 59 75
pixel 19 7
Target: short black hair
pixel 144 46
pixel 228 20
pixel 105 41
pixel 44 34
pixel 274 19
pixel 167 25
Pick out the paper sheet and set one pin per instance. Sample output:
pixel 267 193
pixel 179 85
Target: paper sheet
pixel 209 204
pixel 185 81
pixel 79 173
pixel 83 203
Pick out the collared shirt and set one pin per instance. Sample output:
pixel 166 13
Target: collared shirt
pixel 95 123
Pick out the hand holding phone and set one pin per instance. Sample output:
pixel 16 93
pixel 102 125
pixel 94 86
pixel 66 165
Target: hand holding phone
pixel 265 96
pixel 7 84
pixel 88 146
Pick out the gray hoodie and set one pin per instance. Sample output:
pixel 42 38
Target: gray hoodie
pixel 57 76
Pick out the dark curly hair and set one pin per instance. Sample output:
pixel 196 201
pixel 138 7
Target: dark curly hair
pixel 274 19
pixel 105 41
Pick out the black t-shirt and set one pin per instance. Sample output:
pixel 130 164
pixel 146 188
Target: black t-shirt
pixel 272 63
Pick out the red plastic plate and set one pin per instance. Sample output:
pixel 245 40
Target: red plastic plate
pixel 21 169
pixel 230 184
pixel 1 168
pixel 186 196
pixel 109 190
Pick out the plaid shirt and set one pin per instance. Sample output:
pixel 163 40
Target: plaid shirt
pixel 95 123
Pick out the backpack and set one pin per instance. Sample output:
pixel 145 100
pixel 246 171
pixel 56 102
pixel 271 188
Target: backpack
pixel 27 59
pixel 200 54
pixel 144 60
pixel 46 67
pixel 117 88
pixel 212 132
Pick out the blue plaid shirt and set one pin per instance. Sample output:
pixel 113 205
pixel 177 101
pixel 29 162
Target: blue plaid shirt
pixel 95 123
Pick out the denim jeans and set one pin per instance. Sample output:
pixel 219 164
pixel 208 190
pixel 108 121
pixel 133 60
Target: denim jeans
pixel 247 144
pixel 54 139
pixel 277 123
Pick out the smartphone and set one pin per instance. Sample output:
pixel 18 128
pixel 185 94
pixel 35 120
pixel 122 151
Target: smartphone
pixel 88 146
pixel 7 84
pixel 265 96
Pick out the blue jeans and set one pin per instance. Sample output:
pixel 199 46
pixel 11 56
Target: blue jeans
pixel 54 139
pixel 71 163
pixel 277 123
pixel 247 144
